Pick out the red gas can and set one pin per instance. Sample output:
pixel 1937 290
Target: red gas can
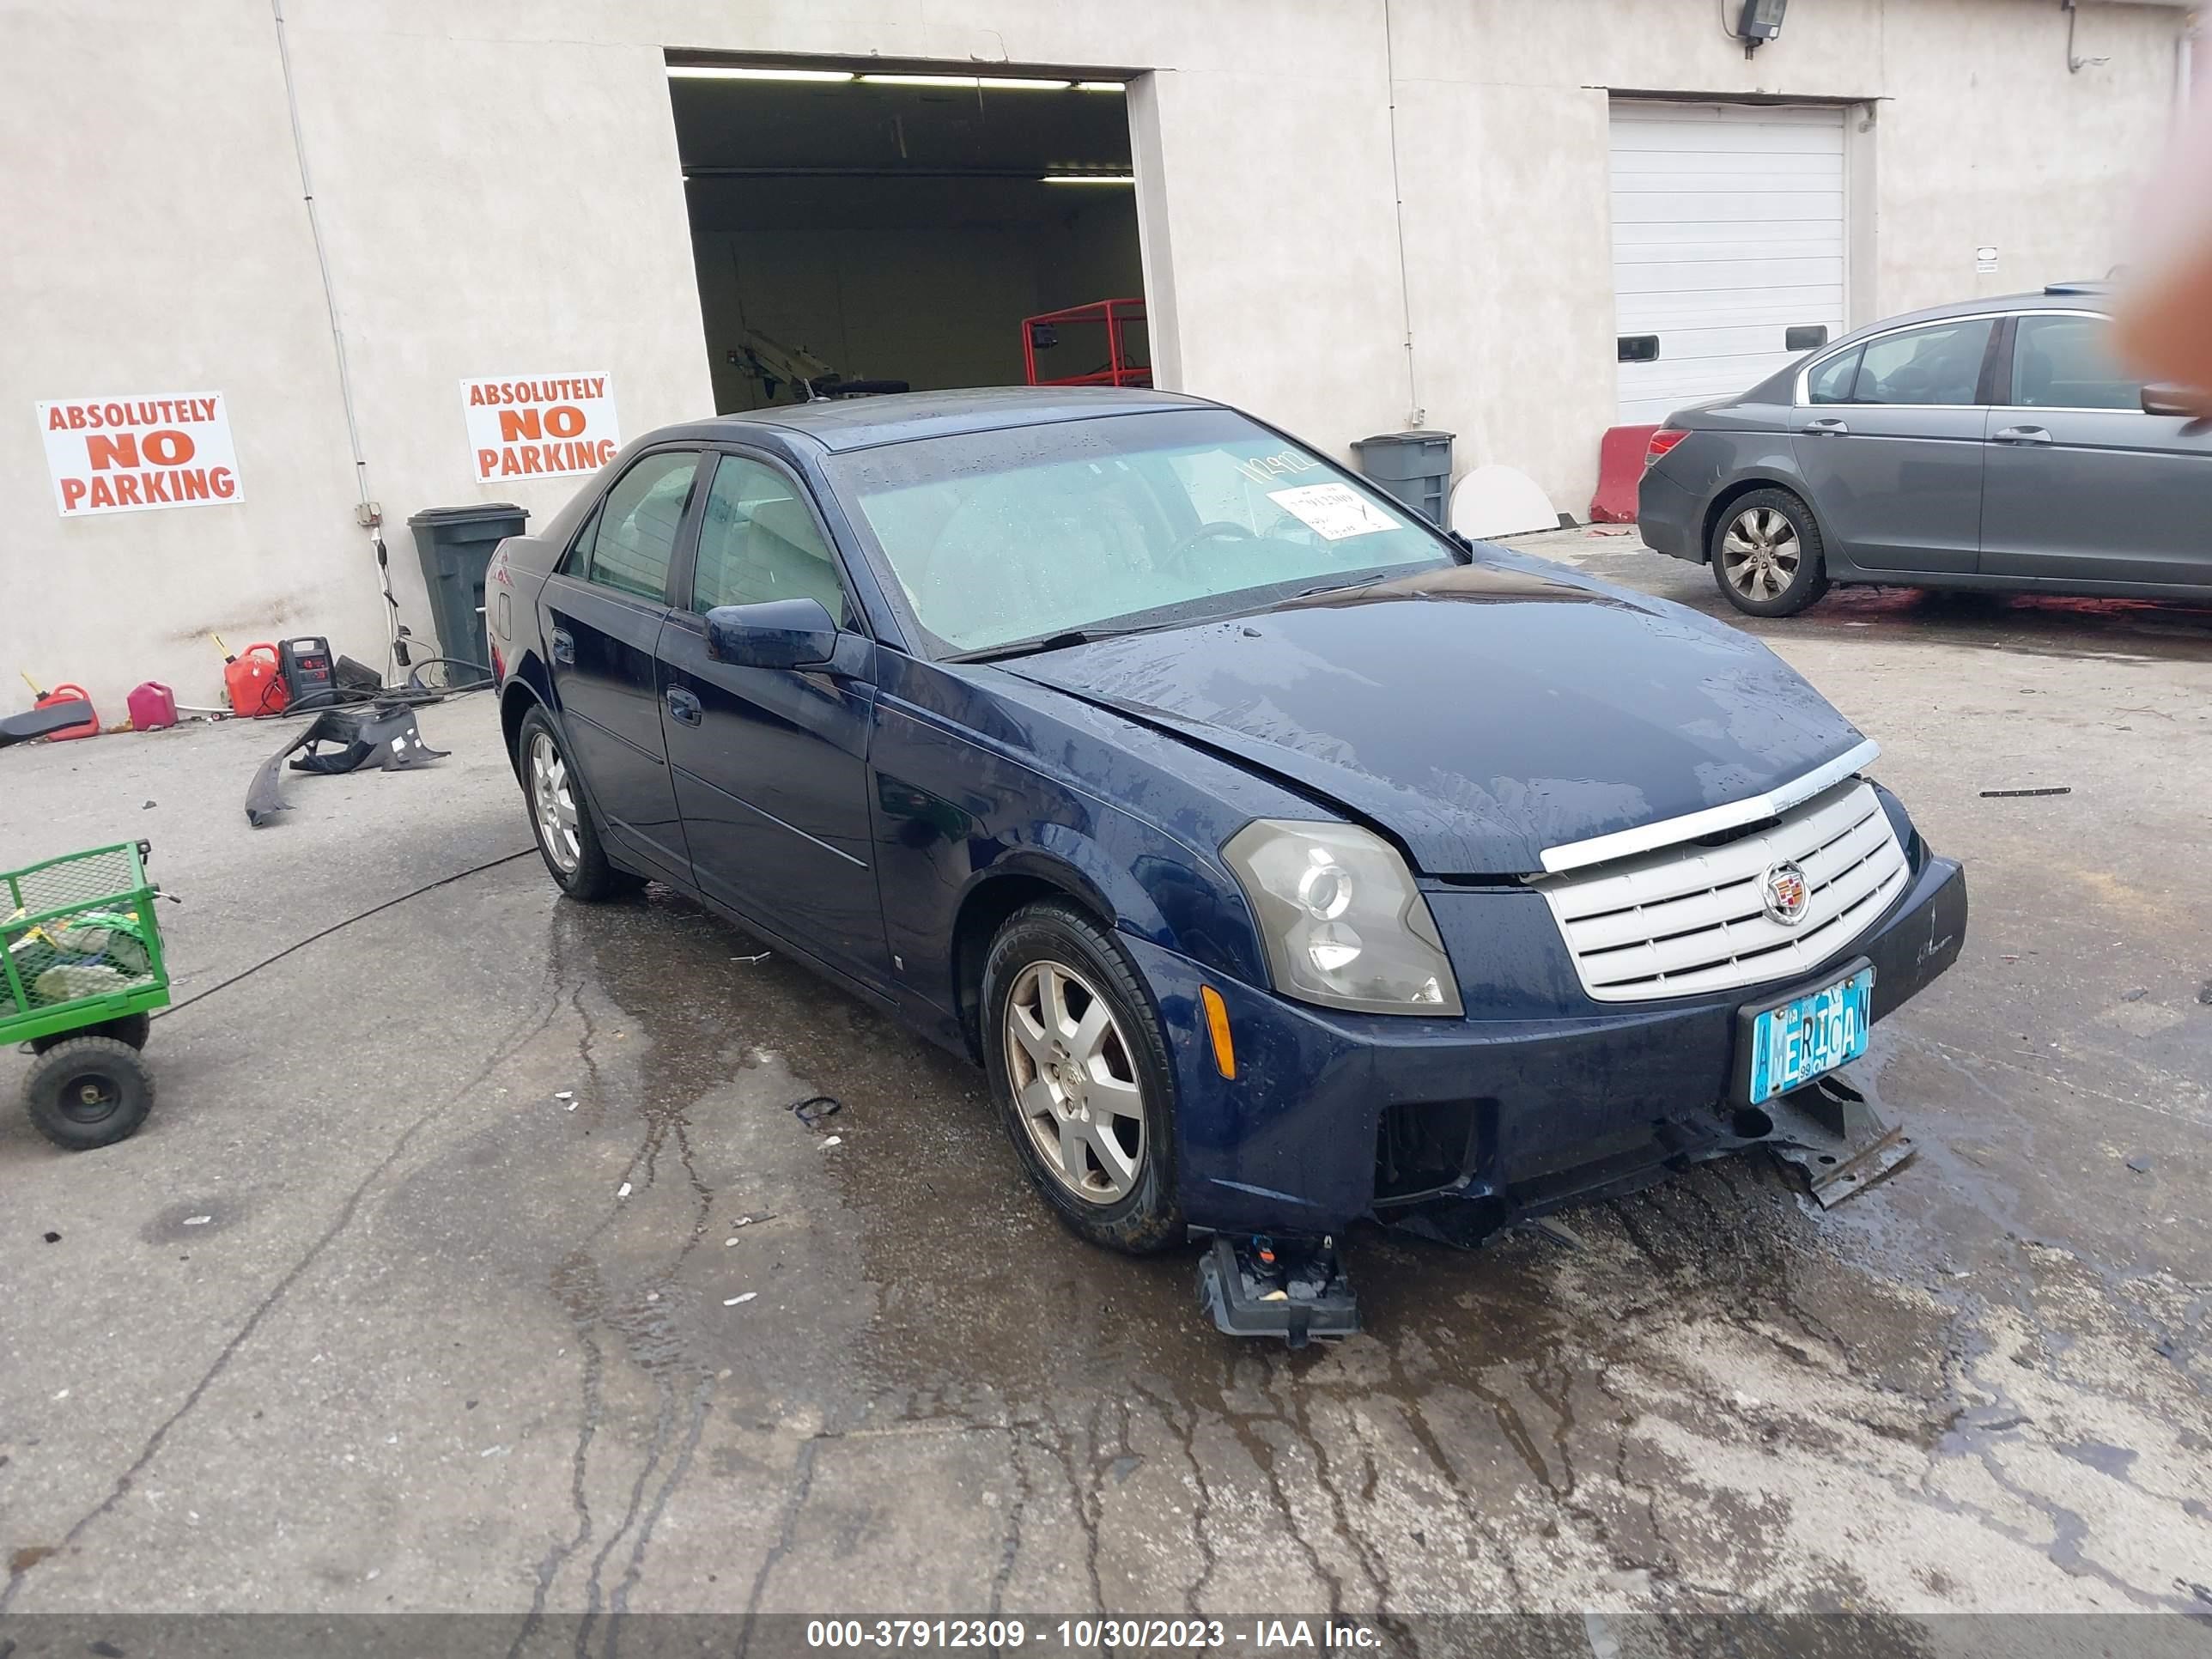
pixel 153 707
pixel 254 684
pixel 71 694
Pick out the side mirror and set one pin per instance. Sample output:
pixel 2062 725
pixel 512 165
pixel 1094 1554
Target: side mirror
pixel 2169 399
pixel 775 633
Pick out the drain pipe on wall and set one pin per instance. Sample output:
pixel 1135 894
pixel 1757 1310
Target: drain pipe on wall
pixel 1415 415
pixel 367 515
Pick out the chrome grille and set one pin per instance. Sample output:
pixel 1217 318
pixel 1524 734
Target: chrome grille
pixel 1688 919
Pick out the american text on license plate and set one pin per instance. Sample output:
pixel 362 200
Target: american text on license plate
pixel 1809 1035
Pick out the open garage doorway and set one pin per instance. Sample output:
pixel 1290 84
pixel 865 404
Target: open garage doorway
pixel 873 228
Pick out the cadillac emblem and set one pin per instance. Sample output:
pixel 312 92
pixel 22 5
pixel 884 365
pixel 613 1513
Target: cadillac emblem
pixel 1783 893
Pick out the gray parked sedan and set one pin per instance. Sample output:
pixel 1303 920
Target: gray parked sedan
pixel 1992 445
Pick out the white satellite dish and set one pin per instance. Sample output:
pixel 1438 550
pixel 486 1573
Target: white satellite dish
pixel 1500 500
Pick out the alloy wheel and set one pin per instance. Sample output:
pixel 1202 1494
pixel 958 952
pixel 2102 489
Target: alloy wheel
pixel 553 802
pixel 1069 1062
pixel 1760 554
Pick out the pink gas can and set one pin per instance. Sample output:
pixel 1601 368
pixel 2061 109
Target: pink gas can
pixel 153 705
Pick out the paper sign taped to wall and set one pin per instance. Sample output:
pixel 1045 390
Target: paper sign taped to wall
pixel 127 454
pixel 540 425
pixel 1333 511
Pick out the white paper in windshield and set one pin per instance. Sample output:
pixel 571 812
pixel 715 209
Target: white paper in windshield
pixel 1333 511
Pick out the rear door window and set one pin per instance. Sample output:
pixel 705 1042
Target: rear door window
pixel 1938 364
pixel 576 557
pixel 1831 382
pixel 638 522
pixel 2066 362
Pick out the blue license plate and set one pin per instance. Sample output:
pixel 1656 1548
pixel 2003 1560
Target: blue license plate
pixel 1807 1036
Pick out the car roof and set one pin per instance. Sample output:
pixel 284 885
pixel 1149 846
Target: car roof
pixel 842 424
pixel 2069 296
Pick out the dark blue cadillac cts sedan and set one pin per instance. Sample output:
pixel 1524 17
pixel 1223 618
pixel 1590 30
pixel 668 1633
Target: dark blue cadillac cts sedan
pixel 1284 861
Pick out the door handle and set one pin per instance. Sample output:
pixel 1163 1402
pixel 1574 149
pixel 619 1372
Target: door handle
pixel 2021 435
pixel 684 706
pixel 564 647
pixel 1827 428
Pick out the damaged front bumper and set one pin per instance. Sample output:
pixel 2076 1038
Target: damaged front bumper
pixel 383 735
pixel 1457 1128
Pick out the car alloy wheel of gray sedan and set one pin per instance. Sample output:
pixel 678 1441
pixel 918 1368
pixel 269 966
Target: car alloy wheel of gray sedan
pixel 1071 1068
pixel 1760 553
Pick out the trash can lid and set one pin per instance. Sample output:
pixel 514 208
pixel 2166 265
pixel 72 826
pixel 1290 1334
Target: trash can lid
pixel 1420 437
pixel 477 515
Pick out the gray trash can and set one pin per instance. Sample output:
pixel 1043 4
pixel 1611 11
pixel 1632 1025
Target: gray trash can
pixel 1416 467
pixel 456 543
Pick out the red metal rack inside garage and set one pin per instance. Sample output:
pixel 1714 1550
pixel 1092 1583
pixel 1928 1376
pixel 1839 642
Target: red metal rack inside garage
pixel 1117 317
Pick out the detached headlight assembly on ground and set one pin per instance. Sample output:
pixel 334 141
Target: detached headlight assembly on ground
pixel 1345 926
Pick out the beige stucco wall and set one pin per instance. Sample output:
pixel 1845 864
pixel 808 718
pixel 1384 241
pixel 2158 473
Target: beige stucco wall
pixel 155 242
pixel 1970 130
pixel 499 185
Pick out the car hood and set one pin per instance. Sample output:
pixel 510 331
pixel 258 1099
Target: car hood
pixel 1481 714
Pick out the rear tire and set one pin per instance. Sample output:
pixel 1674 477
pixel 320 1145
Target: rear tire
pixel 1767 556
pixel 560 816
pixel 1089 1104
pixel 89 1092
pixel 132 1029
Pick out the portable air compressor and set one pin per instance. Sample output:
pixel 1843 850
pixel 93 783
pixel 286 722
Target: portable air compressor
pixel 308 670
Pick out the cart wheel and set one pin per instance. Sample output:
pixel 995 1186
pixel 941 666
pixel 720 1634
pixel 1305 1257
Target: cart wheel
pixel 89 1092
pixel 133 1029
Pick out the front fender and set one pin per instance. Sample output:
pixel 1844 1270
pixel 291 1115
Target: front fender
pixel 974 788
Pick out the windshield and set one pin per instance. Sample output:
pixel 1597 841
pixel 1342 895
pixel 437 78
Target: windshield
pixel 1121 521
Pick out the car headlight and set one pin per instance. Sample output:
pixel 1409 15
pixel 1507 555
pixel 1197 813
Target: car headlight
pixel 1344 924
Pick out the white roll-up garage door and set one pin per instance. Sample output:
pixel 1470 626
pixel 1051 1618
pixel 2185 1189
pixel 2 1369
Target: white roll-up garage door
pixel 1727 234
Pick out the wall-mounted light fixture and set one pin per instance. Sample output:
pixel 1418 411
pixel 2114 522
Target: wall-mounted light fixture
pixel 1760 22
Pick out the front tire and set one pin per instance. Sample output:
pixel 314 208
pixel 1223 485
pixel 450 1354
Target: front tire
pixel 89 1092
pixel 1767 556
pixel 1078 1066
pixel 560 817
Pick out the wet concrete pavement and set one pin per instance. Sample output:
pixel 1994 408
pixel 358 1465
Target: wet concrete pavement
pixel 365 1320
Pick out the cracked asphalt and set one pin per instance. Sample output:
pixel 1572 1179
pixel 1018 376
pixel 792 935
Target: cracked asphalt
pixel 473 1260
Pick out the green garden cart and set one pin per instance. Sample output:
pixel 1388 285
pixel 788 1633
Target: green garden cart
pixel 81 973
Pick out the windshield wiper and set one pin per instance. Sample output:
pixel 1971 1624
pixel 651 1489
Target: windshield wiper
pixel 1041 642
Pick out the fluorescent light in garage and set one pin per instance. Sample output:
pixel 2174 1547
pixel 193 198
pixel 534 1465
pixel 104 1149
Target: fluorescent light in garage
pixel 724 72
pixel 1100 86
pixel 1088 178
pixel 995 82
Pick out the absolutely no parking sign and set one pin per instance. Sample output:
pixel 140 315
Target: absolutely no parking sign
pixel 535 425
pixel 128 454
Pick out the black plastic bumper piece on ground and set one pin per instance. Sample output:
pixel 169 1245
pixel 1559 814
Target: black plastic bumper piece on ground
pixel 1254 1286
pixel 383 735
